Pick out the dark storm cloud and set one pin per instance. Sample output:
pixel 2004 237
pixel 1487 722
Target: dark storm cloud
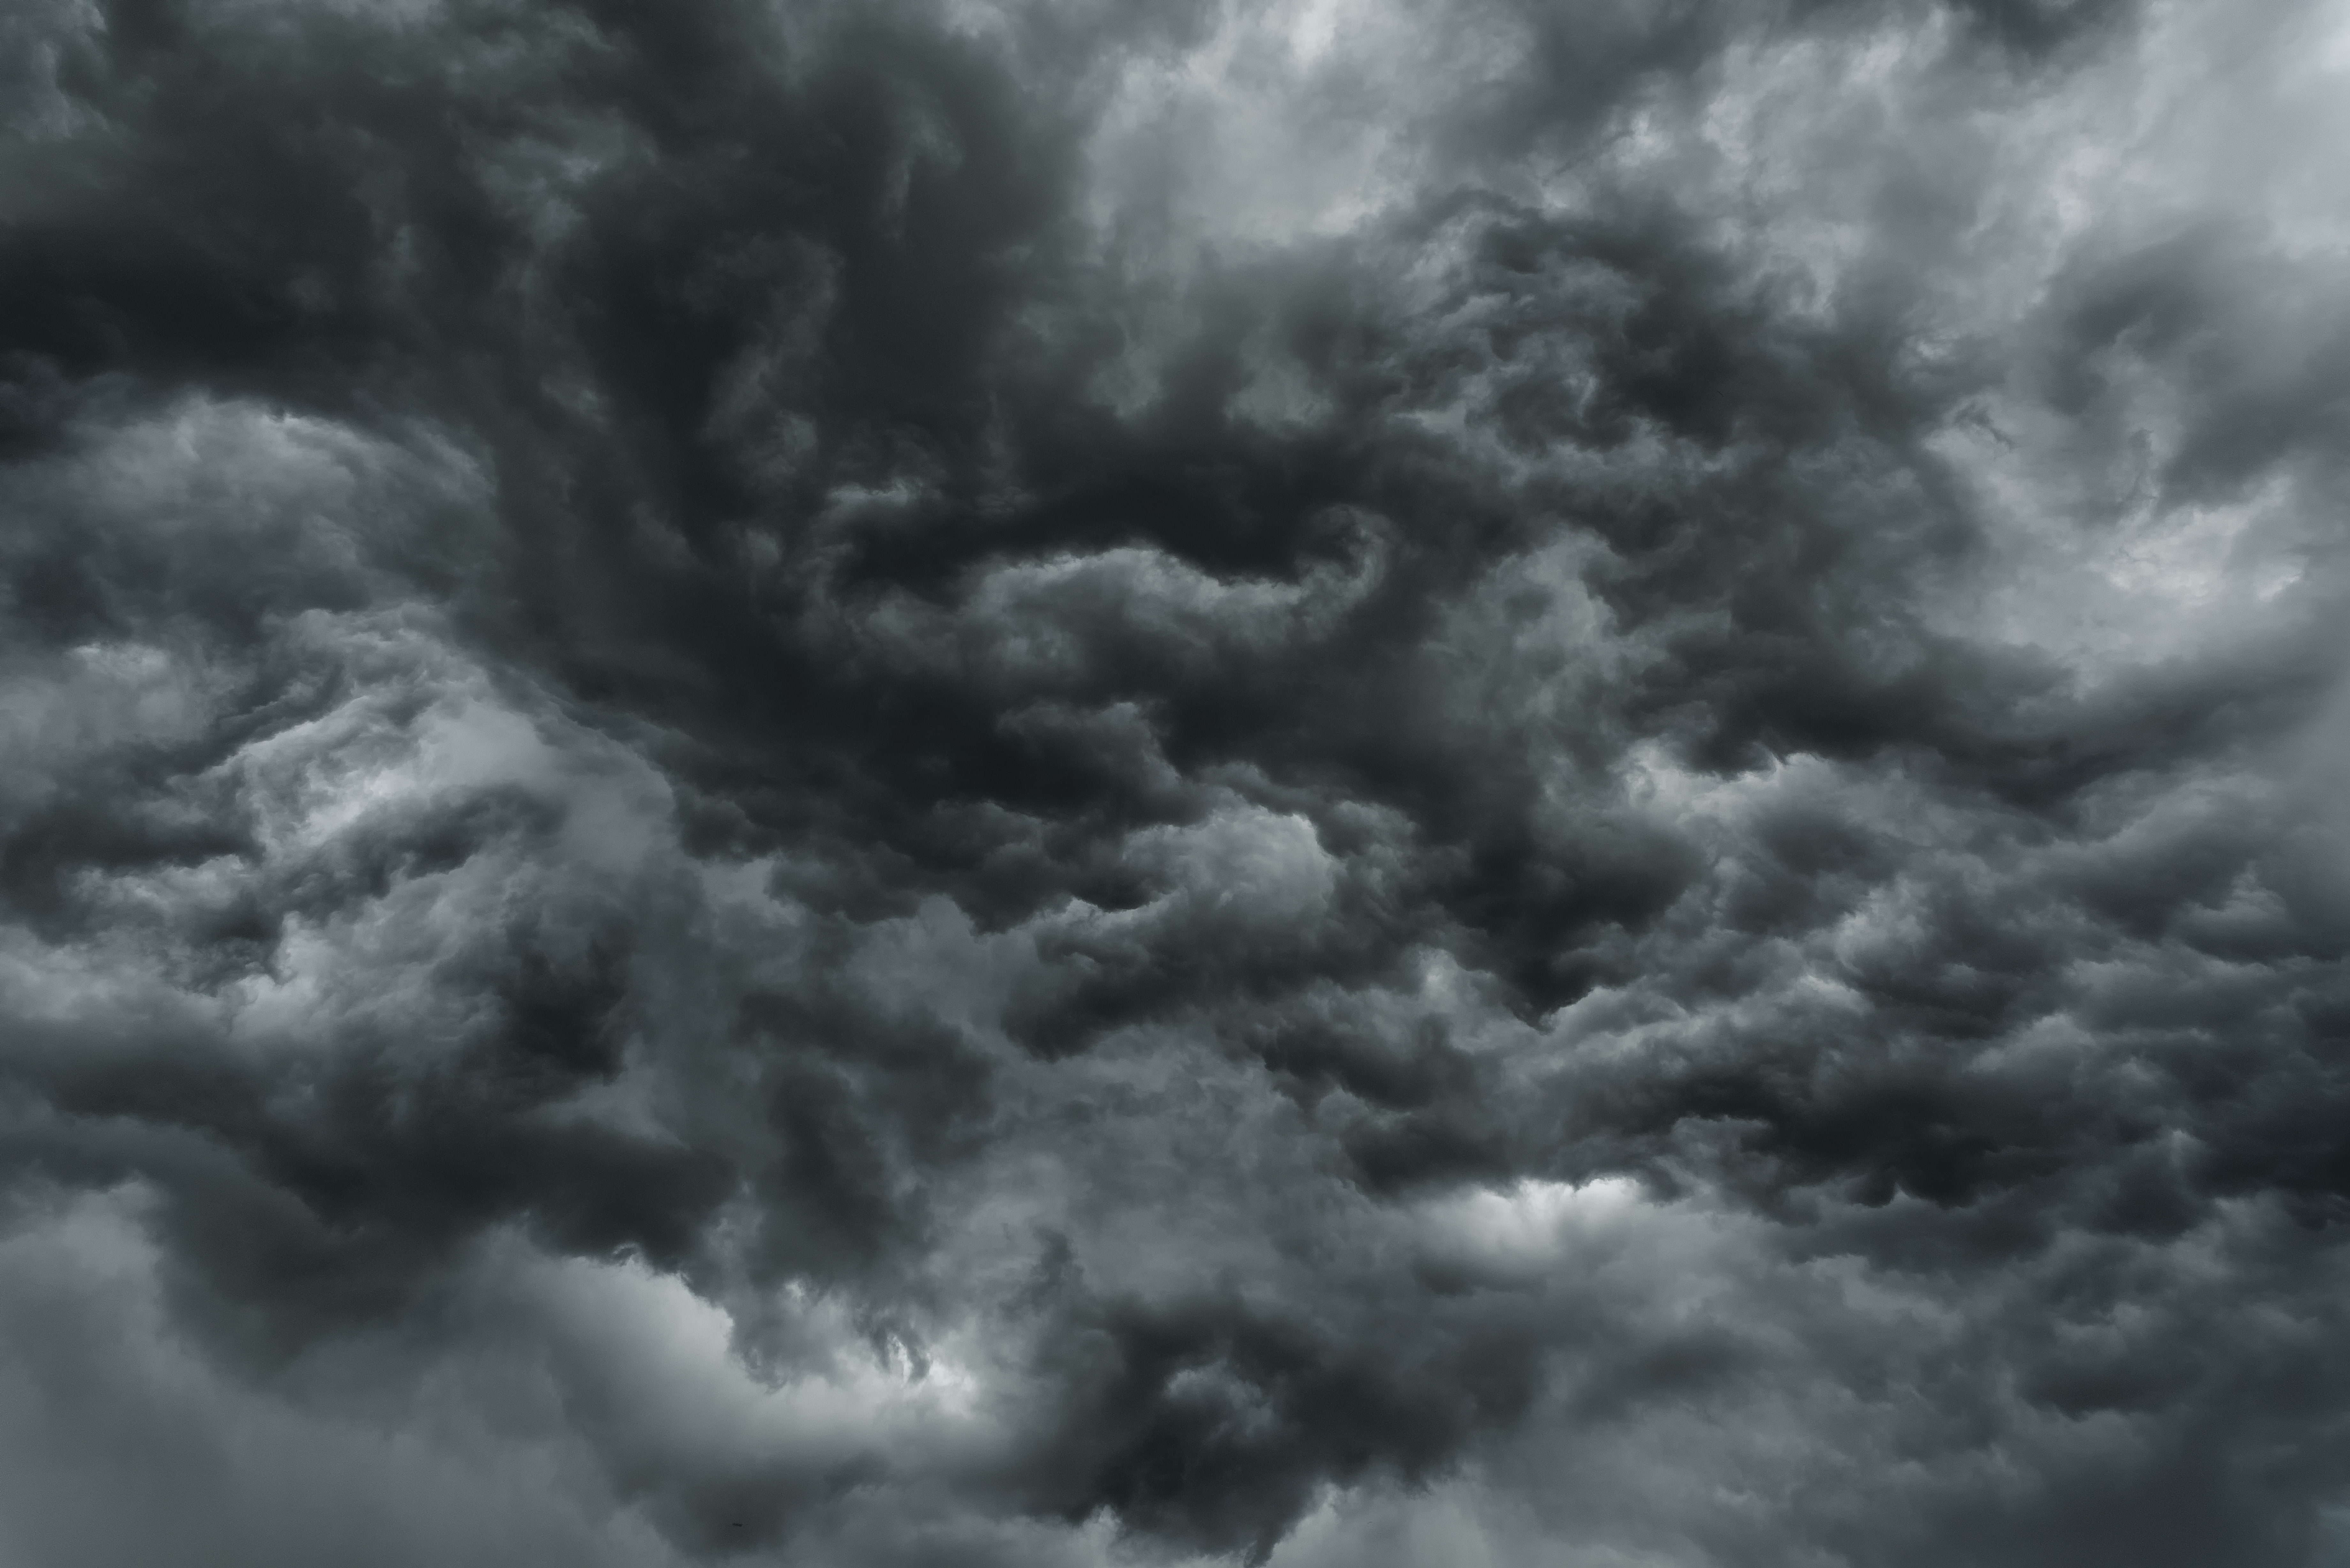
pixel 1069 784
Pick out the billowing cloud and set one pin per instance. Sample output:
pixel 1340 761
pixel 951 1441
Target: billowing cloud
pixel 1072 783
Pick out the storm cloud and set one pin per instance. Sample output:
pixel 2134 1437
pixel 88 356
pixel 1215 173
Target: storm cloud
pixel 1065 783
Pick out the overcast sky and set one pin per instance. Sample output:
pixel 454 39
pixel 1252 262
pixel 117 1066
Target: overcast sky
pixel 1051 783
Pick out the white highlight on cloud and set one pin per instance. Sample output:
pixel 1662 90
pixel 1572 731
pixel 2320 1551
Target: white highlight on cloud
pixel 645 1359
pixel 1527 1226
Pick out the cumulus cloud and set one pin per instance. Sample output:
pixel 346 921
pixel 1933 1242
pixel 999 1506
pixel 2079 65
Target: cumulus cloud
pixel 1055 782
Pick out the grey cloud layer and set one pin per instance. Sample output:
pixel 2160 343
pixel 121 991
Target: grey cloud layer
pixel 1056 784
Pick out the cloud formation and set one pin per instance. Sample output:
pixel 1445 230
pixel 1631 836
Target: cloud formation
pixel 1059 782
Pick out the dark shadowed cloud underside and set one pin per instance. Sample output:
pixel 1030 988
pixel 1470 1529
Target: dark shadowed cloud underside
pixel 1519 784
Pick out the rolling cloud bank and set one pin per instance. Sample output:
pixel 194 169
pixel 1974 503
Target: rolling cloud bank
pixel 1053 783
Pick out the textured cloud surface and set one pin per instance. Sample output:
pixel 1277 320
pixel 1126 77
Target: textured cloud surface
pixel 1058 782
